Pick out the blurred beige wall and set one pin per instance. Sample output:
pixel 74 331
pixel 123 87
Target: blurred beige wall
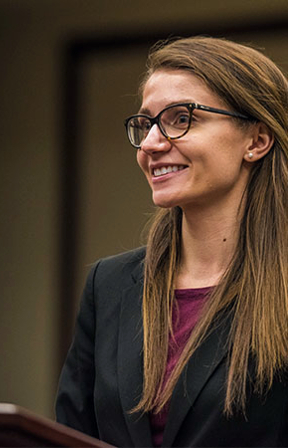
pixel 114 198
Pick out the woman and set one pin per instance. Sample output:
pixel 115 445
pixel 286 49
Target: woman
pixel 185 343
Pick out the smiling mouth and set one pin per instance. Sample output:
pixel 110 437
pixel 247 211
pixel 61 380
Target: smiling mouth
pixel 167 170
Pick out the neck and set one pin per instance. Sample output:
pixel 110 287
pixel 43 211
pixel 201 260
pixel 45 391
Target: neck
pixel 209 240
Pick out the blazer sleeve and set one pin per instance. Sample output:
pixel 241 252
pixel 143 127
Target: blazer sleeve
pixel 74 403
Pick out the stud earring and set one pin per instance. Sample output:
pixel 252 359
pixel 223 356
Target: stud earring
pixel 250 155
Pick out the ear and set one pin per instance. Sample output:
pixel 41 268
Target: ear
pixel 262 142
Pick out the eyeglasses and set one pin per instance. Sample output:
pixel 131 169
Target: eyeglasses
pixel 173 121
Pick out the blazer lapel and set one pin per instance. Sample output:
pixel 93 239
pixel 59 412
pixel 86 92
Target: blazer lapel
pixel 193 379
pixel 130 370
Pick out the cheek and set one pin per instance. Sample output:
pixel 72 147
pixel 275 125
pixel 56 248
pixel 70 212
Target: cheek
pixel 142 160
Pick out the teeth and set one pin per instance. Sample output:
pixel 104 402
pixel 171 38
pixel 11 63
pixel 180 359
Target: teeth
pixel 167 169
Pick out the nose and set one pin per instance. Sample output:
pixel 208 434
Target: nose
pixel 155 141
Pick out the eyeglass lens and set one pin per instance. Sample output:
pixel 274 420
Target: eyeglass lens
pixel 173 122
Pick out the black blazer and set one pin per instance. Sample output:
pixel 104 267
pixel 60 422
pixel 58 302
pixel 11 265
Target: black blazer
pixel 102 378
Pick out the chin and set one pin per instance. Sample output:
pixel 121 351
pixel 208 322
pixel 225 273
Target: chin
pixel 163 202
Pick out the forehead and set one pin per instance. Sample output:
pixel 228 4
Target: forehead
pixel 165 87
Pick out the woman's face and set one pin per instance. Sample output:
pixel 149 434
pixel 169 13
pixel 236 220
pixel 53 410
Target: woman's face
pixel 207 163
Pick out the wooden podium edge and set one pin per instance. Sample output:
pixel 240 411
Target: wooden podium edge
pixel 15 417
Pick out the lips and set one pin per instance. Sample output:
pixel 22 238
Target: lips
pixel 161 171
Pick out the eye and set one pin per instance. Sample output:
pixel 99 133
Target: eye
pixel 178 117
pixel 144 124
pixel 182 118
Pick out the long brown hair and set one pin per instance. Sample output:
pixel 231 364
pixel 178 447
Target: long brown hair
pixel 255 285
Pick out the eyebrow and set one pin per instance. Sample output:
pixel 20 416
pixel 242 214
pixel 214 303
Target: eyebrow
pixel 146 111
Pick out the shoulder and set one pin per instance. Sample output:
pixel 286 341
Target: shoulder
pixel 107 280
pixel 122 267
pixel 129 258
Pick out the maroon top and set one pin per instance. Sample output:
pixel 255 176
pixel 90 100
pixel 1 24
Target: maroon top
pixel 190 303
